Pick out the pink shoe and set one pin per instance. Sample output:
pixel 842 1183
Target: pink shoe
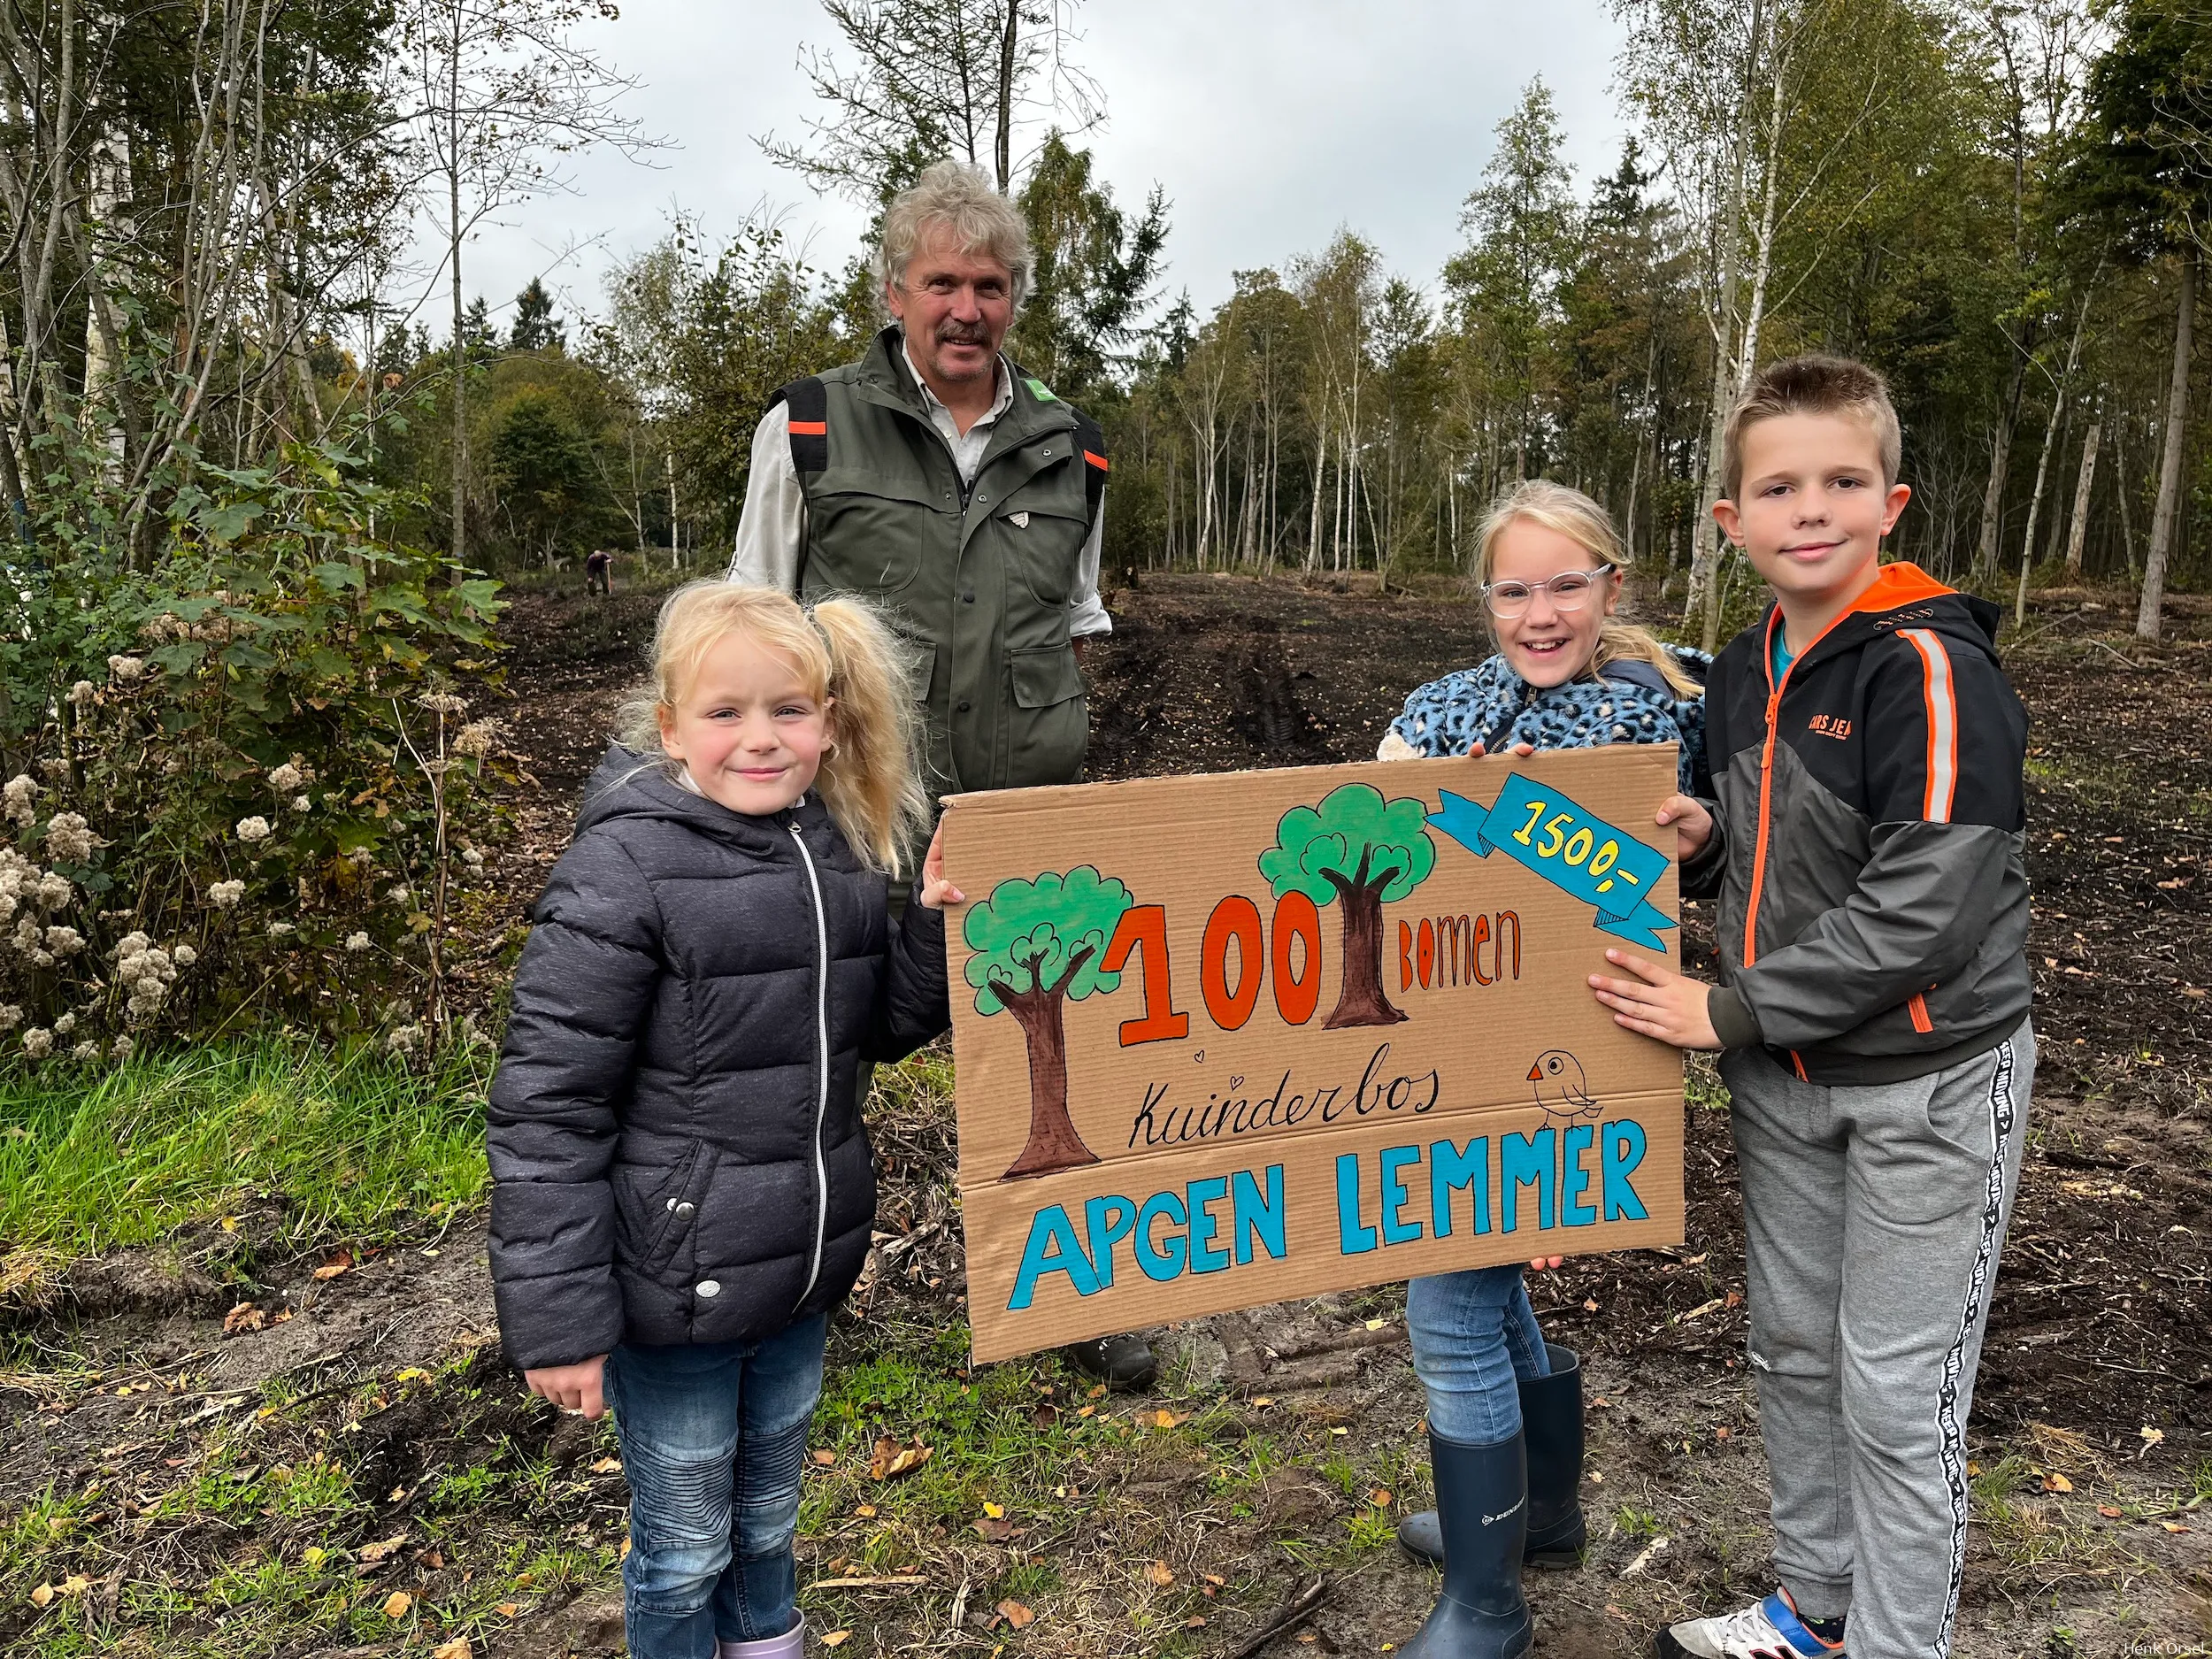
pixel 790 1645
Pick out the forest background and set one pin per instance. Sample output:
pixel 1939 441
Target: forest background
pixel 260 437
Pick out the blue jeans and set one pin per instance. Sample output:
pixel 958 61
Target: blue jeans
pixel 1475 1337
pixel 713 1441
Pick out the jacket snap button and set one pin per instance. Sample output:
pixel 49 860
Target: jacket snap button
pixel 710 1288
pixel 967 599
pixel 671 1204
pixel 962 705
pixel 684 1213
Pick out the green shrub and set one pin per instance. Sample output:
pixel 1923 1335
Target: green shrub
pixel 239 782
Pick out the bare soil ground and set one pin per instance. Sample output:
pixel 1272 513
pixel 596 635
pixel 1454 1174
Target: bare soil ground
pixel 370 1405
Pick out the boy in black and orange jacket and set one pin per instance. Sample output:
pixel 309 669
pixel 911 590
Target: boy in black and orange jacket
pixel 1866 846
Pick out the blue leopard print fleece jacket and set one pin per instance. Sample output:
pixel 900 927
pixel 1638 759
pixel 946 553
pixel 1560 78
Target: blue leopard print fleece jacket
pixel 1632 704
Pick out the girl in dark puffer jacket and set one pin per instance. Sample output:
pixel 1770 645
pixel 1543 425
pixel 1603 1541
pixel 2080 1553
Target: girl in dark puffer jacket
pixel 682 1188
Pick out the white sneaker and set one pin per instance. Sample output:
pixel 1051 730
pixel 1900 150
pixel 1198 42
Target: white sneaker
pixel 1765 1629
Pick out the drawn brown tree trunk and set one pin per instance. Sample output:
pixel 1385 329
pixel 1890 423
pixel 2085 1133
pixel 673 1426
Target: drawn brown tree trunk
pixel 1053 1143
pixel 1362 1002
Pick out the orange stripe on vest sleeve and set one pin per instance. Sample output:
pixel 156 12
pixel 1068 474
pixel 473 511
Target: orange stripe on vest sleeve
pixel 1098 461
pixel 1917 1006
pixel 810 428
pixel 1943 724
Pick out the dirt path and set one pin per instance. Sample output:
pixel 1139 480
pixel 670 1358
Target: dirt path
pixel 381 1382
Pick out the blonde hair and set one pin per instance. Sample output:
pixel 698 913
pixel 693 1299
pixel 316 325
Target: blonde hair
pixel 848 657
pixel 959 198
pixel 1574 515
pixel 1813 384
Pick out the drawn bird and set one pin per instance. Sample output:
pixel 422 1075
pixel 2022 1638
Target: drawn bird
pixel 1561 1088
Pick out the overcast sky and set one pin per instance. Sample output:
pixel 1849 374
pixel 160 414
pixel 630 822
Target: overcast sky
pixel 1269 122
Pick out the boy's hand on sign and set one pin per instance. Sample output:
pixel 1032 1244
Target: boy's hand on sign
pixel 578 1387
pixel 1476 751
pixel 1693 824
pixel 936 891
pixel 1658 1001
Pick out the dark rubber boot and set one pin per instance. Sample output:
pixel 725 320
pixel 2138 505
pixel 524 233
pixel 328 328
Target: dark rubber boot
pixel 1482 1499
pixel 1122 1363
pixel 1551 1423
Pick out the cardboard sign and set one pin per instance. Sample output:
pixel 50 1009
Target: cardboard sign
pixel 1233 1039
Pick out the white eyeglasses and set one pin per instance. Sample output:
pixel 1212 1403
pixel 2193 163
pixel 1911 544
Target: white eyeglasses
pixel 1570 590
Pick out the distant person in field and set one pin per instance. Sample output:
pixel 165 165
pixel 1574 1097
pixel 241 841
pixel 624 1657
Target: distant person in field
pixel 682 1190
pixel 1505 1406
pixel 599 571
pixel 938 478
pixel 1864 835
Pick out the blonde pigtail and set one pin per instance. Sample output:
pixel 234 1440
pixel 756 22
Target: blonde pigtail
pixel 869 779
pixel 1619 641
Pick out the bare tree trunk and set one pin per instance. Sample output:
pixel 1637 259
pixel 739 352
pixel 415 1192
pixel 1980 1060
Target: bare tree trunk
pixel 1006 98
pixel 1985 555
pixel 2163 520
pixel 460 342
pixel 2082 488
pixel 2035 509
pixel 2120 487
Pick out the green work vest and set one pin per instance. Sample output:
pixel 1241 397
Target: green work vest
pixel 981 579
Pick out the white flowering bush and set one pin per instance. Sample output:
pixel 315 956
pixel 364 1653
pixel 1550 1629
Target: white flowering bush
pixel 245 785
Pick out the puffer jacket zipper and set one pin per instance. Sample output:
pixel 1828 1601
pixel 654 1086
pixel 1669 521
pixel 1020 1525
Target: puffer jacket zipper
pixel 822 1067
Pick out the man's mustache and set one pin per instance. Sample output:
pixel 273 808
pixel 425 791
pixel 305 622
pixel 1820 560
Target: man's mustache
pixel 962 335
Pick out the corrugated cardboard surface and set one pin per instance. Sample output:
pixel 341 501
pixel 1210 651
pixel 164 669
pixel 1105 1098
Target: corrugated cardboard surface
pixel 1171 1122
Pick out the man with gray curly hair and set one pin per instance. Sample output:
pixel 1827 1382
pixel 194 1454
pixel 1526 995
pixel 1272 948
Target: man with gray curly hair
pixel 938 478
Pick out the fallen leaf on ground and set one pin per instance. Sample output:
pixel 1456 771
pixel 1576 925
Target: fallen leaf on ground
pixel 2108 1511
pixel 244 1317
pixel 1714 1306
pixel 1165 1419
pixel 1015 1614
pixel 508 1609
pixel 1160 1573
pixel 992 1509
pixel 379 1551
pixel 2057 1483
pixel 41 1596
pixel 865 1511
pixel 1197 1621
pixel 457 1648
pixel 991 1529
pixel 414 1373
pixel 837 1639
pixel 607 1466
pixel 824 1458
pixel 395 1605
pixel 2173 1526
pixel 339 1264
pixel 892 1459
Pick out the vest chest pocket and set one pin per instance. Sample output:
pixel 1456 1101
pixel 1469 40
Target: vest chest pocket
pixel 871 534
pixel 1044 541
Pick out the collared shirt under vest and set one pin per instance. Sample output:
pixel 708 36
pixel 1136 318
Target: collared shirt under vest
pixel 989 567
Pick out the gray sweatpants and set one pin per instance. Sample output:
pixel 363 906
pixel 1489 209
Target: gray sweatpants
pixel 1873 1219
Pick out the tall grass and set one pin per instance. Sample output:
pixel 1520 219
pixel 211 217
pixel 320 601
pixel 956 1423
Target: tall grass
pixel 337 1144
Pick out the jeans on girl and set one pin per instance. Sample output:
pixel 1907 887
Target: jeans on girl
pixel 713 1441
pixel 1475 1336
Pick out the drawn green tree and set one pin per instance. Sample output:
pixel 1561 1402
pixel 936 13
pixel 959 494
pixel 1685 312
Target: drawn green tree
pixel 1359 850
pixel 1037 946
